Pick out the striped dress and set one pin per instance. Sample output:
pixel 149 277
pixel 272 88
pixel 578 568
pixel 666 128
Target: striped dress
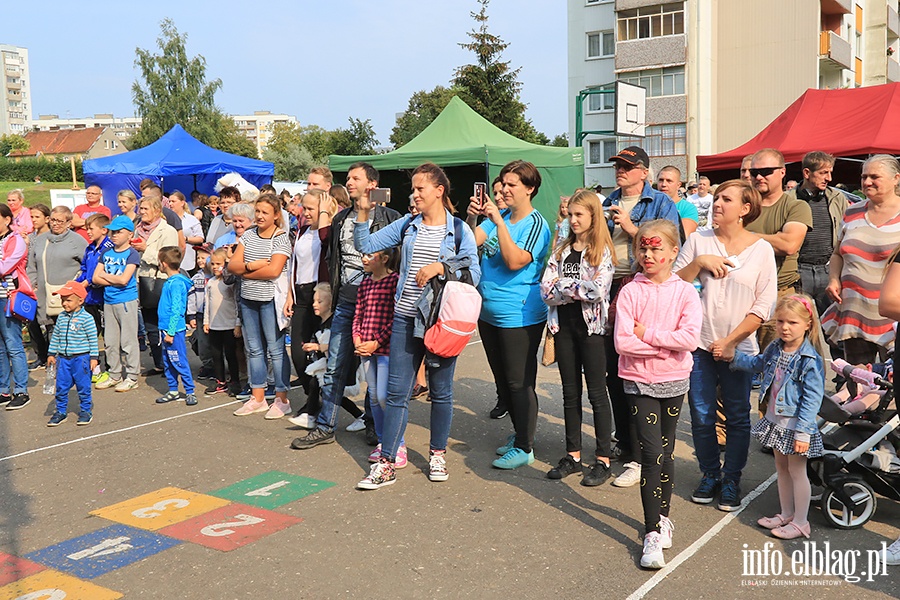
pixel 865 250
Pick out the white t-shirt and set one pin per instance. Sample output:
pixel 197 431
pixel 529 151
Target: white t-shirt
pixel 192 228
pixel 307 250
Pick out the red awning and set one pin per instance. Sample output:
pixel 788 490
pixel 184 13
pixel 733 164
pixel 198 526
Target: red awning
pixel 851 122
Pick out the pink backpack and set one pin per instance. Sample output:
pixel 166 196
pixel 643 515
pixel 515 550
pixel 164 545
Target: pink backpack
pixel 457 319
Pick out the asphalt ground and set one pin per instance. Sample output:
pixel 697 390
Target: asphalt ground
pixel 484 533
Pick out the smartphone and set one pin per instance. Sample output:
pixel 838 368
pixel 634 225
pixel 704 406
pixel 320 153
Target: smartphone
pixel 380 196
pixel 480 193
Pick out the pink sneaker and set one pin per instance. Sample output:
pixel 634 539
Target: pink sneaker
pixel 376 454
pixel 278 409
pixel 400 461
pixel 250 407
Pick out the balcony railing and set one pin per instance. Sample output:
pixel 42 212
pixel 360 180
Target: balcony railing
pixel 835 49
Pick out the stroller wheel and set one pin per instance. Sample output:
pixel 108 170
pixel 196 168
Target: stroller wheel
pixel 854 515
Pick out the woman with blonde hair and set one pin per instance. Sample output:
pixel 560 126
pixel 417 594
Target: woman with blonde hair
pixel 576 286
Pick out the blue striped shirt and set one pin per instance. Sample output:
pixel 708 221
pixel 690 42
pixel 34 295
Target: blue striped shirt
pixel 74 333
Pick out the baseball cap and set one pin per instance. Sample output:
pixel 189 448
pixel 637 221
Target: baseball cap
pixel 632 155
pixel 120 222
pixel 72 288
pixel 204 247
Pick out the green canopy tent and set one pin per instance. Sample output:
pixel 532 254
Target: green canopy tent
pixel 472 149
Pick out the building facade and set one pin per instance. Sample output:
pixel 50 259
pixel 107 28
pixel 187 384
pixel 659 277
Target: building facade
pixel 16 90
pixel 717 71
pixel 79 143
pixel 260 126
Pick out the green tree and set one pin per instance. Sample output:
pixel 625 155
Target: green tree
pixel 315 139
pixel 490 86
pixel 561 140
pixel 292 163
pixel 10 142
pixel 359 138
pixel 423 108
pixel 175 90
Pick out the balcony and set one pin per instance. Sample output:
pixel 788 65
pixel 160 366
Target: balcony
pixel 14 86
pixel 893 22
pixel 893 71
pixel 835 50
pixel 837 7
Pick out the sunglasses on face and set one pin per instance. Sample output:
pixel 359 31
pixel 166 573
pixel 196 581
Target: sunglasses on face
pixel 763 171
pixel 624 166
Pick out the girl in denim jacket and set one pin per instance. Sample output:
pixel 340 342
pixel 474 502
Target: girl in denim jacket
pixel 793 382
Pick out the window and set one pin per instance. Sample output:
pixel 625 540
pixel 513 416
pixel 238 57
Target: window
pixel 659 82
pixel 600 151
pixel 601 43
pixel 651 21
pixel 661 140
pixel 598 102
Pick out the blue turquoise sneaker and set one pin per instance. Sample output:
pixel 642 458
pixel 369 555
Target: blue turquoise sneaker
pixel 56 419
pixel 507 446
pixel 514 459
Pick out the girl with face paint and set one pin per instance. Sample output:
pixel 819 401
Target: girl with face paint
pixel 658 318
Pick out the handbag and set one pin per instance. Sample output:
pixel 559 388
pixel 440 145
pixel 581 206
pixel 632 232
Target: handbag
pixel 54 301
pixel 150 290
pixel 549 355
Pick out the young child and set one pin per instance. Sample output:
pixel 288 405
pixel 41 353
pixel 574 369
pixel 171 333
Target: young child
pixel 222 324
pixel 96 225
pixel 117 273
pixel 576 286
pixel 372 326
pixel 658 319
pixel 73 347
pixel 793 382
pixel 318 349
pixel 195 309
pixel 171 310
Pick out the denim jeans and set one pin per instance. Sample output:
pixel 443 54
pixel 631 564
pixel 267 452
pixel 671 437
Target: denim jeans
pixel 12 354
pixel 813 281
pixel 407 352
pixel 264 339
pixel 705 376
pixel 340 362
pixel 377 374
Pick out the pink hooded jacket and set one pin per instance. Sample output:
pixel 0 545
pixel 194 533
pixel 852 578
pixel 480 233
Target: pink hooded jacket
pixel 672 314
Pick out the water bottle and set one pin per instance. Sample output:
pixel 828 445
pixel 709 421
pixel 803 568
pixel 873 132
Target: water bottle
pixel 50 381
pixel 699 287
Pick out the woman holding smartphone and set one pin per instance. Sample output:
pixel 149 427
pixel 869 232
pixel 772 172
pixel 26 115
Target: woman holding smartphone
pixel 514 244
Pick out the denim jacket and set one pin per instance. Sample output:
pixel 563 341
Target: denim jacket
pixel 804 383
pixel 393 235
pixel 652 205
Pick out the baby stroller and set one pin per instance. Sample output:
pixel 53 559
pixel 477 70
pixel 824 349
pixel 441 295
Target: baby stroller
pixel 860 457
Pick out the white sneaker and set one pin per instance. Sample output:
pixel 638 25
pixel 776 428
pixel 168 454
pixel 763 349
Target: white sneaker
pixel 107 383
pixel 665 531
pixel 892 554
pixel 127 385
pixel 630 477
pixel 304 420
pixel 653 555
pixel 357 425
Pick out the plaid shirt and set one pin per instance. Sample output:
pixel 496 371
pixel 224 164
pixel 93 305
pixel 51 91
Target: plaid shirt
pixel 374 316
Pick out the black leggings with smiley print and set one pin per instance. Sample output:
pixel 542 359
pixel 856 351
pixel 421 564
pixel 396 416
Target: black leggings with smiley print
pixel 656 420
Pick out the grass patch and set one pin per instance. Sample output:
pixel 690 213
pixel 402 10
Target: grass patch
pixel 35 193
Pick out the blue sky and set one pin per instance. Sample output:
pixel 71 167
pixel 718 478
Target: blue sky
pixel 322 61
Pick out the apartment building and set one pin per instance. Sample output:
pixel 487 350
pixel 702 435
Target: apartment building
pixel 16 90
pixel 260 126
pixel 717 71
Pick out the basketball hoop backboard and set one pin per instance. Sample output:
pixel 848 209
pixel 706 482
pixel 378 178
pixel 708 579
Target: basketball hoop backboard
pixel 631 109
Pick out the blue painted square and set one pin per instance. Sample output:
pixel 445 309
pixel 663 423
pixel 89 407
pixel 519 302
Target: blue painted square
pixel 102 551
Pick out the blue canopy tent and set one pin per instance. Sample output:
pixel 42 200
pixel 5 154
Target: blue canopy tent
pixel 176 161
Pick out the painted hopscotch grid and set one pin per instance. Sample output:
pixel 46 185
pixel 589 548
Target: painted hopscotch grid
pixel 230 527
pixel 272 490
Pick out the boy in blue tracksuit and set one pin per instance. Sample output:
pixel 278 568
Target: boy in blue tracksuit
pixel 96 225
pixel 73 348
pixel 172 306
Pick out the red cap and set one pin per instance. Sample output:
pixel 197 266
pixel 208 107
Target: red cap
pixel 72 288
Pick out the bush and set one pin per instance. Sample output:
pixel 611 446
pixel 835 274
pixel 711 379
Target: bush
pixel 26 169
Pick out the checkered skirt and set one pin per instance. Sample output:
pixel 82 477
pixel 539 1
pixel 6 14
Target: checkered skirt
pixel 778 438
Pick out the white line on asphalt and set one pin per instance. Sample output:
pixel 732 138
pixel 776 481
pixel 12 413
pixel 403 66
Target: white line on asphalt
pixel 702 541
pixel 99 435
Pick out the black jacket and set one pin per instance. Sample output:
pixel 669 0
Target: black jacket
pixel 381 217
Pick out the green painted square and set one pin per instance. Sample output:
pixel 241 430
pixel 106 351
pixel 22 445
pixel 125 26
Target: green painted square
pixel 271 490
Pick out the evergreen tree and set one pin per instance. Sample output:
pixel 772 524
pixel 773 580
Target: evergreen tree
pixel 424 107
pixel 490 86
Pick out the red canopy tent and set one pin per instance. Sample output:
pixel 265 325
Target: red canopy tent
pixel 845 123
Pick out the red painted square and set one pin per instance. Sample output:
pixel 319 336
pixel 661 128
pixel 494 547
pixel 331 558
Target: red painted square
pixel 230 527
pixel 13 568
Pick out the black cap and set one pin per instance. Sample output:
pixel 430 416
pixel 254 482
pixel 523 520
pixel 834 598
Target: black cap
pixel 632 155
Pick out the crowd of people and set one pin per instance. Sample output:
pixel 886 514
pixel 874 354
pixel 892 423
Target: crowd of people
pixel 643 297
